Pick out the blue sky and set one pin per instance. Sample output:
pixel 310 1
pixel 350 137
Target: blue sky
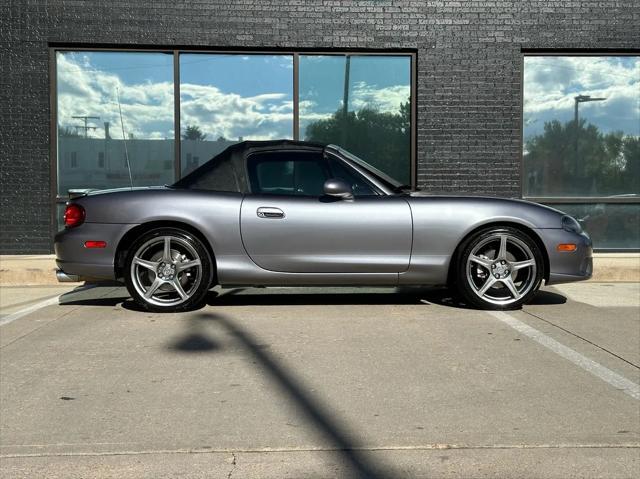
pixel 247 75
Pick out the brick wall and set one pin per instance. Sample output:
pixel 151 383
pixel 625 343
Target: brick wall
pixel 469 73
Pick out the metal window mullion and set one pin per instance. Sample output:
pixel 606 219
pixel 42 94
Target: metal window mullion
pixel 296 96
pixel 176 115
pixel 413 119
pixel 53 143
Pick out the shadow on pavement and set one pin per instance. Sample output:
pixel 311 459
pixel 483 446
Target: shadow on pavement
pixel 196 340
pixel 404 295
pixel 334 296
pixel 548 297
pixel 362 465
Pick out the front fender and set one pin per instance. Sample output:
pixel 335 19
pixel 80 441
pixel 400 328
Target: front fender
pixel 440 224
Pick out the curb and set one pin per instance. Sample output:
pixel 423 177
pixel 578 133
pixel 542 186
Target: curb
pixel 28 270
pixel 614 267
pixel 38 270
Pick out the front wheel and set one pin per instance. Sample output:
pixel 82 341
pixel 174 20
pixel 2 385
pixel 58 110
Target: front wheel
pixel 499 268
pixel 168 270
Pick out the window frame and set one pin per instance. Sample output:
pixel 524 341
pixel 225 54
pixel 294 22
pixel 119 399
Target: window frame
pixel 330 156
pixel 57 199
pixel 558 200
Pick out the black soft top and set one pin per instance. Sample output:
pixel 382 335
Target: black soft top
pixel 226 170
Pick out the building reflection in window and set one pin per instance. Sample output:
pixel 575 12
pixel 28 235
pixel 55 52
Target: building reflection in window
pixel 581 134
pixel 362 103
pixel 225 99
pixel 91 145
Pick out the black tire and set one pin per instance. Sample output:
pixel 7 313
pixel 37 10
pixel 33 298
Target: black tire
pixel 487 281
pixel 159 285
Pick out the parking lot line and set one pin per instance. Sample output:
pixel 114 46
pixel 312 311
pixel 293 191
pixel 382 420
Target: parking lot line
pixel 42 304
pixel 23 312
pixel 597 369
pixel 210 450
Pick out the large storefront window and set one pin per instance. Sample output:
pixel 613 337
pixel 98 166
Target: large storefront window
pixel 361 102
pixel 94 140
pixel 581 148
pixel 225 99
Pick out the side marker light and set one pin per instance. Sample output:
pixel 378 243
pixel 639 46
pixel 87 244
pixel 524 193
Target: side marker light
pixel 95 244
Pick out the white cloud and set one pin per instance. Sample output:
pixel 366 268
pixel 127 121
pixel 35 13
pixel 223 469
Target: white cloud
pixel 387 99
pixel 309 112
pixel 231 115
pixel 148 107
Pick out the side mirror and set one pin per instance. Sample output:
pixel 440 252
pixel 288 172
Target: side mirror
pixel 338 188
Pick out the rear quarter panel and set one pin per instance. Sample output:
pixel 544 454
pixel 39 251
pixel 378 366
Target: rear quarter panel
pixel 112 215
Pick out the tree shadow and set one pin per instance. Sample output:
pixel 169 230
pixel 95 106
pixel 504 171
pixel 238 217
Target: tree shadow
pixel 196 340
pixel 346 444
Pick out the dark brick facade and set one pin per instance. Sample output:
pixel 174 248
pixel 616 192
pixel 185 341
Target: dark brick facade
pixel 469 73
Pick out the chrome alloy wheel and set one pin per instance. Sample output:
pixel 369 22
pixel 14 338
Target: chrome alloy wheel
pixel 166 271
pixel 501 269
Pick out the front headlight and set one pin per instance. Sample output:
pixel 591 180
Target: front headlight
pixel 571 224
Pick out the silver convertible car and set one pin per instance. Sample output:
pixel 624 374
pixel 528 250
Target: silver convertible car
pixel 298 214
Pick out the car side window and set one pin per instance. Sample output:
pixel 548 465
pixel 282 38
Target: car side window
pixel 287 173
pixel 359 185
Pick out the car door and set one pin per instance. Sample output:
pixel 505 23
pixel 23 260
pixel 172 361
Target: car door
pixel 288 225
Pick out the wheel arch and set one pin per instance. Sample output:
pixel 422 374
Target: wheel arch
pixel 455 258
pixel 130 236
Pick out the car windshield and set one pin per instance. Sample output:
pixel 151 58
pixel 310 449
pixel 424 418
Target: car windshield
pixel 383 178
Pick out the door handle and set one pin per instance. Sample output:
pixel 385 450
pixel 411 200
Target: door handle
pixel 269 212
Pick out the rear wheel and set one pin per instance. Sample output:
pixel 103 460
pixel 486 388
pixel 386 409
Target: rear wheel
pixel 499 268
pixel 168 270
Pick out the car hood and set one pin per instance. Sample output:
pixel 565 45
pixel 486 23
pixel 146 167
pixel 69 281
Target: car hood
pixel 499 209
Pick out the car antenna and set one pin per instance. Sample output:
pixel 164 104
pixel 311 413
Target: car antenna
pixel 124 139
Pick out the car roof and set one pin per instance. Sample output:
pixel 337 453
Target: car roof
pixel 238 152
pixel 251 146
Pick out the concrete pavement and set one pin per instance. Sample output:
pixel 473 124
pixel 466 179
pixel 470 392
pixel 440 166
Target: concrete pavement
pixel 321 383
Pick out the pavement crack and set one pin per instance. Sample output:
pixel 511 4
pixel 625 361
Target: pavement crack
pixel 233 465
pixel 582 338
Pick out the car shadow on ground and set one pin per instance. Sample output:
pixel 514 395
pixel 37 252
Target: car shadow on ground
pixel 404 295
pixel 291 297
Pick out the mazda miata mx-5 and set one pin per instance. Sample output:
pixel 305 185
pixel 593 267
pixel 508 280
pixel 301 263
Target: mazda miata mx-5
pixel 288 213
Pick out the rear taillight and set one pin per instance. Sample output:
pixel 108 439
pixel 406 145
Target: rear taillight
pixel 73 215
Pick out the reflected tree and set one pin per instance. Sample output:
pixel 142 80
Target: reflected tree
pixel 67 132
pixel 580 160
pixel 193 132
pixel 380 138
